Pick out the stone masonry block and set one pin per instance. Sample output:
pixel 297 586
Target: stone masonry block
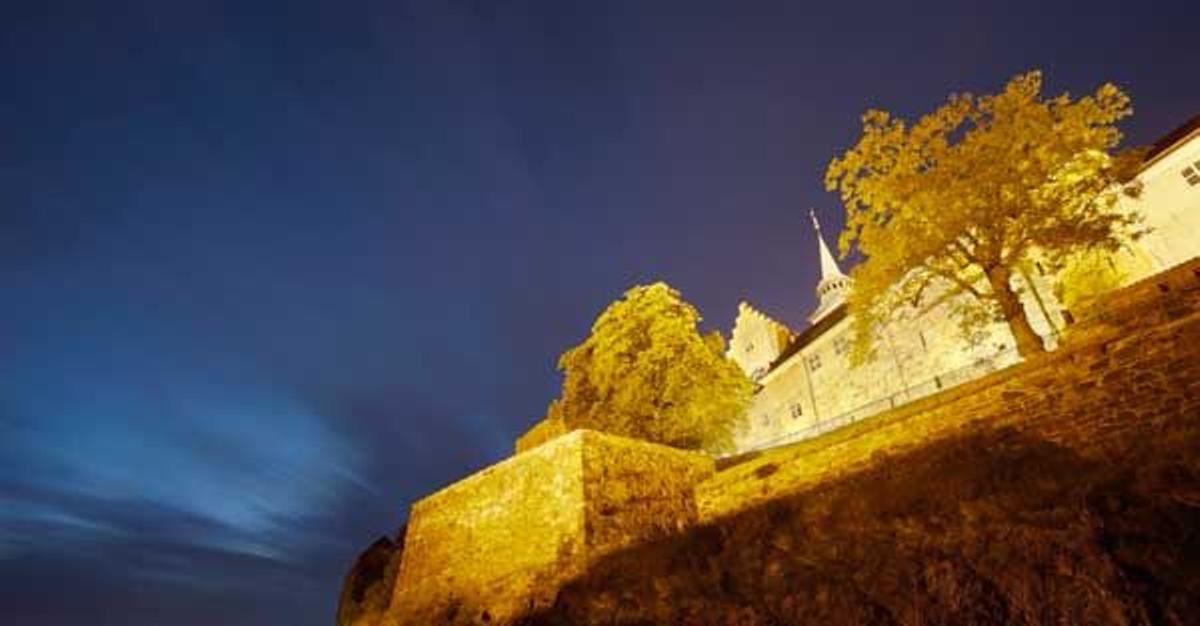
pixel 505 539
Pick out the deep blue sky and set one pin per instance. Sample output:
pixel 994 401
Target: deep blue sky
pixel 270 271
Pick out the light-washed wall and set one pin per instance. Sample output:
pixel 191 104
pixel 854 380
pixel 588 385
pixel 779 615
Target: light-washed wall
pixel 1170 205
pixel 917 353
pixel 756 340
pixel 504 539
pixel 498 535
pixel 921 353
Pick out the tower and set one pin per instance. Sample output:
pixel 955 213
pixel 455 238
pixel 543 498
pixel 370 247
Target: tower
pixel 834 285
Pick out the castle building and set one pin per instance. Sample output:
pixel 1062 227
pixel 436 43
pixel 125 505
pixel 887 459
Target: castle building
pixel 1170 200
pixel 806 385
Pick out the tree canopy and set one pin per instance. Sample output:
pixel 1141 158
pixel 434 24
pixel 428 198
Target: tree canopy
pixel 1092 273
pixel 966 198
pixel 646 372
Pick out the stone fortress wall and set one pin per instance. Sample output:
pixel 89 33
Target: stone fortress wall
pixel 503 540
pixel 499 533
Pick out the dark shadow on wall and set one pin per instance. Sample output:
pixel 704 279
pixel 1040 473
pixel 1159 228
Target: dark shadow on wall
pixel 990 527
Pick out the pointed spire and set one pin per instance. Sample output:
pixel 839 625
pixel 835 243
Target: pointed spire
pixel 832 289
pixel 829 266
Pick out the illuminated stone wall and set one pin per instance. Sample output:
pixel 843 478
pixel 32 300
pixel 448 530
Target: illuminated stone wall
pixel 634 490
pixel 502 533
pixel 506 538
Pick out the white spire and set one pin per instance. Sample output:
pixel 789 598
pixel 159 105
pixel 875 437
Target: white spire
pixel 832 289
pixel 829 266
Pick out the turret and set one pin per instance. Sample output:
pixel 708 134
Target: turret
pixel 834 285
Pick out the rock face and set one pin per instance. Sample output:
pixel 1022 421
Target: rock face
pixel 367 590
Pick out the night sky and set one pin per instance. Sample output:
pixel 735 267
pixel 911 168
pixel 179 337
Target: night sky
pixel 271 271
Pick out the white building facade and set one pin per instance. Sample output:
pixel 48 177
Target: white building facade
pixel 807 386
pixel 1170 199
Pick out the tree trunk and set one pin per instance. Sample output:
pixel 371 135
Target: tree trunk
pixel 1028 342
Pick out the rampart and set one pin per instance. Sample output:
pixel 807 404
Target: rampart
pixel 503 540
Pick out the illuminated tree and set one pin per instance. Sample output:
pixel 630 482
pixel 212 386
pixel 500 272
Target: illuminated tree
pixel 1091 273
pixel 962 200
pixel 646 372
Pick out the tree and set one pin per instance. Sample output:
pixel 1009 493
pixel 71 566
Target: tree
pixel 1092 273
pixel 646 372
pixel 959 202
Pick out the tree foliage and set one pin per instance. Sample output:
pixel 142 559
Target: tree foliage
pixel 958 202
pixel 1091 273
pixel 646 372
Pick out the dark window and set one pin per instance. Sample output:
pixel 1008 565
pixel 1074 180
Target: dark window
pixel 797 411
pixel 1192 175
pixel 814 362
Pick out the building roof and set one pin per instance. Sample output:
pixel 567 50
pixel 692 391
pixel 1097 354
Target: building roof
pixel 809 335
pixel 1174 138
